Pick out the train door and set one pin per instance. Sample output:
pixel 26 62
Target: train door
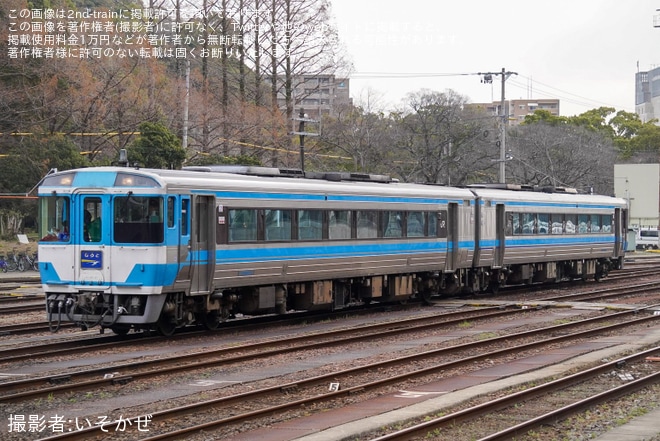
pixel 500 234
pixel 185 245
pixel 452 237
pixel 620 231
pixel 89 233
pixel 480 230
pixel 202 241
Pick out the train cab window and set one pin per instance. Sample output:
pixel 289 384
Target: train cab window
pixel 528 223
pixel 543 223
pixel 277 225
pixel 415 225
pixel 138 219
pixel 92 224
pixel 367 224
pixel 242 225
pixel 584 224
pixel 571 225
pixel 557 223
pixel 310 224
pixel 54 218
pixel 339 224
pixel 607 224
pixel 392 223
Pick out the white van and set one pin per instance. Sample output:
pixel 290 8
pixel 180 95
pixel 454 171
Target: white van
pixel 648 240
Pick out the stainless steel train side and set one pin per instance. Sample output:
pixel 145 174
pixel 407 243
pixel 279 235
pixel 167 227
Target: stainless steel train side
pixel 177 247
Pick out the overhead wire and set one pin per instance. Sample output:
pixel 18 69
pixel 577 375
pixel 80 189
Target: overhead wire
pixel 538 87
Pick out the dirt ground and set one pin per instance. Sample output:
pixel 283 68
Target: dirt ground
pixel 8 246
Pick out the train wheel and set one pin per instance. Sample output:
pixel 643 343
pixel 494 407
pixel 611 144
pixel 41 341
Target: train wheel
pixel 165 326
pixel 212 320
pixel 120 330
pixel 428 297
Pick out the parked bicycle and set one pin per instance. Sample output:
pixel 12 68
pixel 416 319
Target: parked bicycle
pixel 15 262
pixel 3 264
pixel 31 261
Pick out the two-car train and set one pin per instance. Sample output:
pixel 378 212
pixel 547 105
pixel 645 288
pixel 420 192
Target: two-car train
pixel 127 248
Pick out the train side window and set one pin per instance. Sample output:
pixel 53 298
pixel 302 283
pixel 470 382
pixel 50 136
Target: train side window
pixel 584 224
pixel 415 225
pixel 339 224
pixel 557 223
pixel 607 224
pixel 170 211
pixel 310 224
pixel 392 223
pixel 242 225
pixel 571 225
pixel 433 224
pixel 528 223
pixel 277 225
pixel 595 223
pixel 543 223
pixel 508 229
pixel 517 225
pixel 367 224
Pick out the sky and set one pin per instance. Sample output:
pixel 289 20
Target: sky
pixel 583 52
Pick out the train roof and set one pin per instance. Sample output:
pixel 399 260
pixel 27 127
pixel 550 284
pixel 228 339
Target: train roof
pixel 267 180
pixel 561 197
pixel 211 179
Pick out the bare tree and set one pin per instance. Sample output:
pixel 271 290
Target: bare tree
pixel 444 141
pixel 561 155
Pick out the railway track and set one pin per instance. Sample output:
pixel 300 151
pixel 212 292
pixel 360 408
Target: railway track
pixel 118 380
pixel 530 409
pixel 89 379
pixel 311 393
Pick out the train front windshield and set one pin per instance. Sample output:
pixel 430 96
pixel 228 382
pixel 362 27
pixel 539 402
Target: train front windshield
pixel 133 219
pixel 55 219
pixel 138 219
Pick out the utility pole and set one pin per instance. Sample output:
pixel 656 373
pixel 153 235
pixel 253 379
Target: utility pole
pixel 488 78
pixel 302 119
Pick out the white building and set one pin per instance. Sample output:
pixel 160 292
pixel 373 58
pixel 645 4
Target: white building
pixel 639 184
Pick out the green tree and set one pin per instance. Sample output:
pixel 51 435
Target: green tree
pixel 23 163
pixel 156 147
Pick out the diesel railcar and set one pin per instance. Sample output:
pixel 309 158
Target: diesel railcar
pixel 125 248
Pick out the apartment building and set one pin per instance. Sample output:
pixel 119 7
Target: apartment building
pixel 518 109
pixel 647 94
pixel 318 94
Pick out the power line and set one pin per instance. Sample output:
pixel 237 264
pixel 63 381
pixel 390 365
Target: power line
pixel 554 92
pixel 568 96
pixel 375 75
